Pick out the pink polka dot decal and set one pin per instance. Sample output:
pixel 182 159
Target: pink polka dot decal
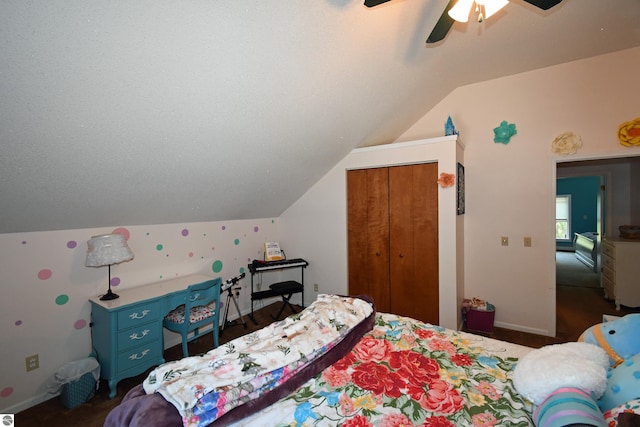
pixel 123 231
pixel 44 274
pixel 115 281
pixel 185 232
pixel 72 244
pixel 80 324
pixel 6 392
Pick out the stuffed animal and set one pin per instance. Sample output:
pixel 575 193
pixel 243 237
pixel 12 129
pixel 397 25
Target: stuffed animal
pixel 564 381
pixel 620 338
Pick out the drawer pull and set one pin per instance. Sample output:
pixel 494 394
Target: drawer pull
pixel 135 336
pixel 138 316
pixel 139 357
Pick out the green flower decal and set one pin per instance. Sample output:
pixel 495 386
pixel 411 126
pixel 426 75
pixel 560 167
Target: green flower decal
pixel 504 132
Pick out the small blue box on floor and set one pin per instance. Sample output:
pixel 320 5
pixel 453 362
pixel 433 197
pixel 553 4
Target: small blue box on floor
pixel 481 320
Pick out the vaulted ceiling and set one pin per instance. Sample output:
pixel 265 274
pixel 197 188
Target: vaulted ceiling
pixel 122 112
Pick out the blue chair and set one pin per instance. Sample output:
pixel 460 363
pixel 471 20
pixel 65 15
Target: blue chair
pixel 203 304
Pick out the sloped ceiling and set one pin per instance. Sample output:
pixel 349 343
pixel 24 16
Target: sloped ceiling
pixel 118 112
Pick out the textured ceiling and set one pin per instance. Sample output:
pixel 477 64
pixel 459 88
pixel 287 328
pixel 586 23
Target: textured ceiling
pixel 118 112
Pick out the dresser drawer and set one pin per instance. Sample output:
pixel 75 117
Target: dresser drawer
pixel 138 315
pixel 609 288
pixel 609 250
pixel 609 274
pixel 138 335
pixel 145 355
pixel 608 262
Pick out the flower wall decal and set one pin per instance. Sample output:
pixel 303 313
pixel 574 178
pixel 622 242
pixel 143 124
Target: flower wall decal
pixel 566 143
pixel 504 132
pixel 446 180
pixel 629 133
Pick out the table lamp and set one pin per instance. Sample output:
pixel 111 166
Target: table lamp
pixel 107 249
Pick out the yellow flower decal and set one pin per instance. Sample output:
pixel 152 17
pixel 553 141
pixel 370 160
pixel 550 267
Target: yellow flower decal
pixel 629 133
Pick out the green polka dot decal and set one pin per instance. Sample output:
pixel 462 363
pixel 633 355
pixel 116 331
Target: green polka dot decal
pixel 62 299
pixel 236 242
pixel 217 266
pixel 159 247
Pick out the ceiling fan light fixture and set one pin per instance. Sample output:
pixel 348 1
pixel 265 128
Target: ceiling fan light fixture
pixel 485 8
pixel 492 6
pixel 460 12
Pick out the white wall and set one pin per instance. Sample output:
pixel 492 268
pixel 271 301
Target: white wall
pixel 511 188
pixel 46 287
pixel 315 227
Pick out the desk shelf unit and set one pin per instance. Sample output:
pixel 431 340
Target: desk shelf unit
pixel 282 289
pixel 127 333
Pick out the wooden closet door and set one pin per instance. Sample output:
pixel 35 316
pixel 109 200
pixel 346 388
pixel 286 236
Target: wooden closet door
pixel 413 217
pixel 368 234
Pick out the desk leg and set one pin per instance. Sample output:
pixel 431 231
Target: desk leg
pixel 113 388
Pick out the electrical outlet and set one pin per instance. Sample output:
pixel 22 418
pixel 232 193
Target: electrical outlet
pixel 32 362
pixel 315 287
pixel 504 240
pixel 527 242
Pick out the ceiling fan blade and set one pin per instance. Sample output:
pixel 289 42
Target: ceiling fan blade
pixel 443 25
pixel 371 3
pixel 543 4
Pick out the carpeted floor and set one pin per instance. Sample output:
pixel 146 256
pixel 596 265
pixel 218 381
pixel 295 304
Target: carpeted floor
pixel 571 272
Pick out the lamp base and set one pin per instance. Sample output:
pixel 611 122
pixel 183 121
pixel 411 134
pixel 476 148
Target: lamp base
pixel 109 296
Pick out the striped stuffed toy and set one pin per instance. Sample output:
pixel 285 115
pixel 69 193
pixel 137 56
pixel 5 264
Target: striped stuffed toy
pixel 568 406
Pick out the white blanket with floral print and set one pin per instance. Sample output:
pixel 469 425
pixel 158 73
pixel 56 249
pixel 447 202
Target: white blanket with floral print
pixel 248 366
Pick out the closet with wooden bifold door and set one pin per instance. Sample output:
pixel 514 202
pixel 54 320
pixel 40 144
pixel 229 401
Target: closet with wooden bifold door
pixel 392 231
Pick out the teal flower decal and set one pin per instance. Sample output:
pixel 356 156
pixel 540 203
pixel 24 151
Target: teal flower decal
pixel 504 132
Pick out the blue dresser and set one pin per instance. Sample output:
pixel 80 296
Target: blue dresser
pixel 126 333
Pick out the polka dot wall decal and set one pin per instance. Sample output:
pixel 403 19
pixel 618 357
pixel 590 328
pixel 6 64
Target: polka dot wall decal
pixel 185 232
pixel 44 274
pixel 190 254
pixel 256 229
pixel 18 322
pixel 115 281
pixel 62 299
pixel 6 392
pixel 123 231
pixel 24 242
pixel 80 324
pixel 224 227
pixel 236 242
pixel 217 266
pixel 159 247
pixel 72 244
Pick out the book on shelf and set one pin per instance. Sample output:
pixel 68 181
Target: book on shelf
pixel 272 251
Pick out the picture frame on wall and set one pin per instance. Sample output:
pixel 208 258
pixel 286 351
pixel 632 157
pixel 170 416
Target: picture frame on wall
pixel 460 189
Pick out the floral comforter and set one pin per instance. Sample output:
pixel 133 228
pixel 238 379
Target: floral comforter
pixel 204 388
pixel 405 373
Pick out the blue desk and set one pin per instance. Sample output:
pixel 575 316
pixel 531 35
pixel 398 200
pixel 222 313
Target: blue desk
pixel 127 332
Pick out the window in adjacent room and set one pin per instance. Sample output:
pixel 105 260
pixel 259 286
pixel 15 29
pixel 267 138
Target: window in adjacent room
pixel 563 217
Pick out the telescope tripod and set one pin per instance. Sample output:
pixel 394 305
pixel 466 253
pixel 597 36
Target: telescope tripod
pixel 229 287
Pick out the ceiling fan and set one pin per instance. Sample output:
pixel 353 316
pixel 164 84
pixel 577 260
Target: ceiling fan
pixel 446 20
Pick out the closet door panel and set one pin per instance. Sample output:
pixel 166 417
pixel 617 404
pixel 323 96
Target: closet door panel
pixel 368 234
pixel 413 219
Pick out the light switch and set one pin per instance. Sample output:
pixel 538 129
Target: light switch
pixel 504 240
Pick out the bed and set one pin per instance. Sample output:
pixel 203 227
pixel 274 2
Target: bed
pixel 586 249
pixel 354 367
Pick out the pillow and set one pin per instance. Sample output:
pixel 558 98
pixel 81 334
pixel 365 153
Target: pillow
pixel 574 364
